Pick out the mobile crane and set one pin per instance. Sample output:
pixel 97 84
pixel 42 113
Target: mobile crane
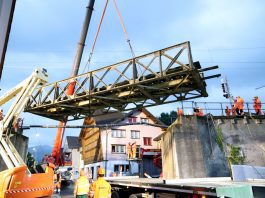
pixel 15 178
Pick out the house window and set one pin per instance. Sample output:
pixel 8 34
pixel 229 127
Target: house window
pixel 117 148
pixel 118 133
pixel 135 134
pixel 144 120
pixel 121 168
pixel 147 141
pixel 132 119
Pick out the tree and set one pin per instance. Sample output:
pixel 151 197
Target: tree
pixel 168 118
pixel 30 160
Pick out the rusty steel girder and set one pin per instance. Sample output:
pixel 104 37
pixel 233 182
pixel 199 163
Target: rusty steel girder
pixel 160 77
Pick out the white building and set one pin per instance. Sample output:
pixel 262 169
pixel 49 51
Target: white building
pixel 107 147
pixel 71 152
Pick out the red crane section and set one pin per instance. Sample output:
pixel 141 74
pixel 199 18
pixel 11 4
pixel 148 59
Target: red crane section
pixel 56 152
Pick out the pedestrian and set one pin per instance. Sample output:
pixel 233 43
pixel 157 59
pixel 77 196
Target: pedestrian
pixel 257 105
pixel 100 188
pixel 81 188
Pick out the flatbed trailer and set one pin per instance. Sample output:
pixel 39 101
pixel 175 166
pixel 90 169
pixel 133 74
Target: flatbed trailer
pixel 134 187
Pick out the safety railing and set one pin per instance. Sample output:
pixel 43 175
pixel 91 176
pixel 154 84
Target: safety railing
pixel 216 108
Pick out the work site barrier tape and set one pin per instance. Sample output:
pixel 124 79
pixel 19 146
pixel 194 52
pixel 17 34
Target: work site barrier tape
pixel 29 190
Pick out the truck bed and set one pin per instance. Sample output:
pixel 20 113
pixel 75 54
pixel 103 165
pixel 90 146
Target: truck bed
pixel 200 186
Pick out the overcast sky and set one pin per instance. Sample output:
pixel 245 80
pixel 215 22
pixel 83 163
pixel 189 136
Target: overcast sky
pixel 225 33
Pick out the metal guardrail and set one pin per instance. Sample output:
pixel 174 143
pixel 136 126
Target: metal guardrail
pixel 215 108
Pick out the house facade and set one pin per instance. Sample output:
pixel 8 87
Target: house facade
pixel 71 152
pixel 108 147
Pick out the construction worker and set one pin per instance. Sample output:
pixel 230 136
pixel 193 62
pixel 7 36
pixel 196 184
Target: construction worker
pixel 100 188
pixel 129 150
pixel 180 112
pixel 196 111
pixel 227 111
pixel 239 105
pixel 257 105
pixel 200 112
pixel 134 148
pixel 233 110
pixel 57 181
pixel 81 188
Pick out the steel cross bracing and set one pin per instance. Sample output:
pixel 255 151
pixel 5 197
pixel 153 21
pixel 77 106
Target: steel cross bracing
pixel 164 76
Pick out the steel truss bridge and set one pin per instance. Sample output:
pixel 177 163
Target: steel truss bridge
pixel 160 77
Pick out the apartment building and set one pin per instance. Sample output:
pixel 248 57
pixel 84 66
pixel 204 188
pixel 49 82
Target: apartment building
pixel 107 147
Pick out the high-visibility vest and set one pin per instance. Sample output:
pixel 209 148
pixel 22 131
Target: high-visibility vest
pixel 228 112
pixel 180 112
pixel 100 189
pixel 240 103
pixel 257 104
pixel 82 185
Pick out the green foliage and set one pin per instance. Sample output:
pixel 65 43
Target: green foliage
pixel 168 118
pixel 30 160
pixel 235 155
pixel 219 138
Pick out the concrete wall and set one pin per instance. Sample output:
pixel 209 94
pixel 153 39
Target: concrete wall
pixel 248 134
pixel 21 144
pixel 190 148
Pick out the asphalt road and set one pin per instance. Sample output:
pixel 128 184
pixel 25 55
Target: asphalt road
pixel 66 192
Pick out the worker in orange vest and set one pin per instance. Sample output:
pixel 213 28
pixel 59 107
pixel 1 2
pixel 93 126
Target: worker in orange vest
pixel 81 188
pixel 129 150
pixel 200 112
pixel 227 111
pixel 134 148
pixel 239 105
pixel 180 112
pixel 257 105
pixel 233 110
pixel 100 188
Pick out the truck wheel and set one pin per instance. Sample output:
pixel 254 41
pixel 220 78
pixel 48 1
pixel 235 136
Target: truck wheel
pixel 135 195
pixel 115 194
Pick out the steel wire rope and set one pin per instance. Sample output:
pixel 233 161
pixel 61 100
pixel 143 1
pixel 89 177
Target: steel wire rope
pixel 125 31
pixel 96 37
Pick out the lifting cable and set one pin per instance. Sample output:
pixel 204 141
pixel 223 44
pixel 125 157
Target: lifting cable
pixel 98 30
pixel 96 37
pixel 124 29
